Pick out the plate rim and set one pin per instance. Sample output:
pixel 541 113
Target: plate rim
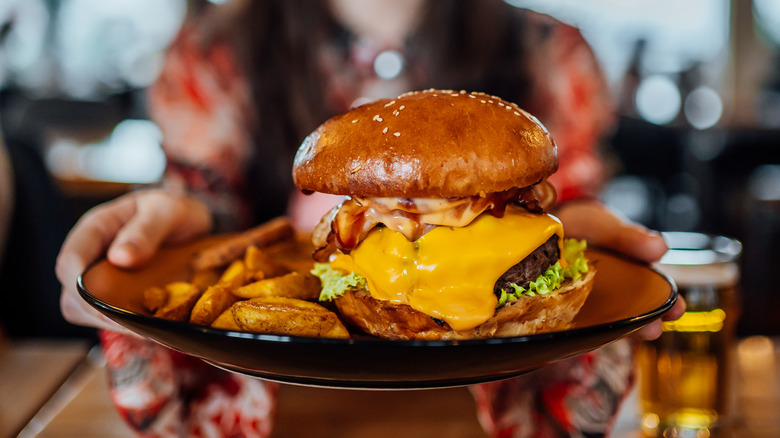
pixel 99 304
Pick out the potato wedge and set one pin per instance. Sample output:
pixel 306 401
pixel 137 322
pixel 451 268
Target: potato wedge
pixel 234 276
pixel 205 278
pixel 154 298
pixel 179 300
pixel 287 316
pixel 224 252
pixel 215 300
pixel 292 285
pixel 260 266
pixel 225 321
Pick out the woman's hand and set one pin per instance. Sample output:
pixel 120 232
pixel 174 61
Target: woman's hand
pixel 595 223
pixel 128 231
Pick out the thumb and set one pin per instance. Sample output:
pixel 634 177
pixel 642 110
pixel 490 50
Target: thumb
pixel 159 217
pixel 601 227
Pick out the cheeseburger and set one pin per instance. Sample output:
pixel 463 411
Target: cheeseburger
pixel 443 232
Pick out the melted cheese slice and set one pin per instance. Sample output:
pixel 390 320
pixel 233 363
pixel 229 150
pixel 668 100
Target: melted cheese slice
pixel 449 273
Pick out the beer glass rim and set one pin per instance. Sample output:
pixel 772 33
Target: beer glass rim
pixel 697 248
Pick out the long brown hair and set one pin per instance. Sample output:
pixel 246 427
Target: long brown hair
pixel 477 45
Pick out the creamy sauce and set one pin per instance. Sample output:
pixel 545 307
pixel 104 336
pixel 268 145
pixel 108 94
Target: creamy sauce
pixel 449 272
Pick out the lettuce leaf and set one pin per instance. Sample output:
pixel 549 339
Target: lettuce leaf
pixel 335 282
pixel 554 276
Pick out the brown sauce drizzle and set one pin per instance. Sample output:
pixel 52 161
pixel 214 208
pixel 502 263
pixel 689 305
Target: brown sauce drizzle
pixel 347 224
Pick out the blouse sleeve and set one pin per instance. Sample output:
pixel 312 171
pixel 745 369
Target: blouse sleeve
pixel 571 97
pixel 162 393
pixel 579 396
pixel 202 104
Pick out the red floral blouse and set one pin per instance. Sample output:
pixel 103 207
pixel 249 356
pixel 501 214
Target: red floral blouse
pixel 202 103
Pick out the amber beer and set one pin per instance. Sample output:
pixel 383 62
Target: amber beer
pixel 685 381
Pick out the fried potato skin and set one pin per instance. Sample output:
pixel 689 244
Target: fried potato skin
pixel 259 266
pixel 205 278
pixel 293 285
pixel 175 301
pixel 225 321
pixel 287 316
pixel 257 281
pixel 155 298
pixel 231 249
pixel 211 304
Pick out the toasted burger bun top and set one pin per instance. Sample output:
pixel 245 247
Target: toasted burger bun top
pixel 429 144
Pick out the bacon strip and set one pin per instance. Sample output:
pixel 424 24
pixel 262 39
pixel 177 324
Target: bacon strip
pixel 347 224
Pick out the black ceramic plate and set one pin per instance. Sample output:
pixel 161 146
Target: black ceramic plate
pixel 627 295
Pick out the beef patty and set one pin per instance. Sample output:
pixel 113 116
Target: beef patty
pixel 531 267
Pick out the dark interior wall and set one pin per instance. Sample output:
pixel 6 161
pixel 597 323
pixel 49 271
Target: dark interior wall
pixel 718 169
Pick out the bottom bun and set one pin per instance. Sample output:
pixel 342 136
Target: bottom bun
pixel 525 316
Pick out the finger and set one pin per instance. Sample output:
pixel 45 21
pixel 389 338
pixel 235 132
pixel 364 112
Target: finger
pixel 655 328
pixel 85 243
pixel 90 237
pixel 598 225
pixel 677 310
pixel 158 217
pixel 77 311
pixel 139 239
pixel 650 331
pixel 637 242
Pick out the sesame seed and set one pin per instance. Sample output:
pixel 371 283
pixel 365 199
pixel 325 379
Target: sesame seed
pixel 397 134
pixel 401 107
pixel 355 121
pixel 395 113
pixel 489 100
pixel 472 96
pixel 377 118
pixel 454 94
pixel 482 100
pixel 391 103
pixel 500 104
pixel 517 113
pixel 355 169
pixel 384 131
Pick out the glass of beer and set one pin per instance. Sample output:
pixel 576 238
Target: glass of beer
pixel 685 375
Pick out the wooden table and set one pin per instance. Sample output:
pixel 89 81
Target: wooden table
pixel 81 408
pixel 30 372
pixel 301 412
pixel 312 412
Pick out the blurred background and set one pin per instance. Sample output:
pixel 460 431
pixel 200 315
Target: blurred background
pixel 697 147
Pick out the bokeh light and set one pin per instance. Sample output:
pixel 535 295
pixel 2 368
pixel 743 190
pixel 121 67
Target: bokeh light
pixel 658 99
pixel 703 107
pixel 388 64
